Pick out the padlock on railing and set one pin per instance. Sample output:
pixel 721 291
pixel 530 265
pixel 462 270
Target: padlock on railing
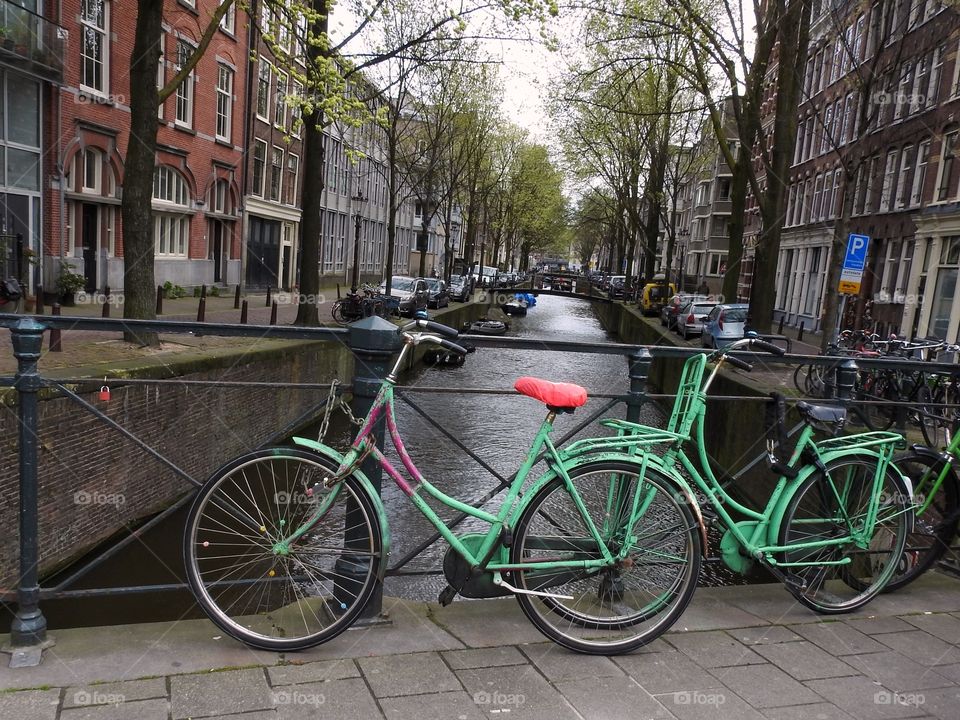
pixel 104 392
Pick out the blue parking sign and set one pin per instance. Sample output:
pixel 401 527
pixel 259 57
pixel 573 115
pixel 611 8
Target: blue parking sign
pixel 856 257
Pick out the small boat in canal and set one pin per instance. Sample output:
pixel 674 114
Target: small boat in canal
pixel 485 327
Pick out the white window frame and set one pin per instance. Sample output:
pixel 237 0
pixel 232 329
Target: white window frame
pixel 906 166
pixel 920 173
pixel 276 197
pixel 186 90
pixel 92 157
pixel 292 157
pixel 932 93
pixel 264 68
pixel 887 187
pixel 228 22
pixel 280 101
pixel 258 188
pixel 89 28
pixel 171 211
pixel 224 102
pixel 942 188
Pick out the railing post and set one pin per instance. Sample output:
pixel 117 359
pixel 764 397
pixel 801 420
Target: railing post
pixel 639 372
pixel 845 377
pixel 28 630
pixel 374 342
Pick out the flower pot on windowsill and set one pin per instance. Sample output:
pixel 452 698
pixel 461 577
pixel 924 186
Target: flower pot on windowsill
pixel 68 299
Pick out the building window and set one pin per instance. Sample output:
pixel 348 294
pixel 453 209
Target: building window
pixel 903 185
pixel 276 173
pixel 817 198
pixel 224 101
pixel 723 189
pixel 92 171
pixel 221 198
pixel 293 172
pixel 923 154
pixel 888 174
pixel 948 147
pixel 161 75
pixel 259 166
pixel 263 90
pixel 185 89
pixel 836 197
pixel 229 20
pixel 280 107
pixel 296 111
pixel 901 102
pixel 171 221
pixel 933 87
pixel 717 264
pixel 94 46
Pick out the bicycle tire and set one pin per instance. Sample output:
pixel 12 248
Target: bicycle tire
pixel 337 312
pixel 878 416
pixel 642 597
pixel 936 527
pixel 299 599
pixel 816 506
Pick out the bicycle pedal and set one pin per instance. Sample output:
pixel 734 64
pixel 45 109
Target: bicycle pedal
pixel 447 596
pixel 795 583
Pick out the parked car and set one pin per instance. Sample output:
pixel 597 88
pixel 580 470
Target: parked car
pixel 412 293
pixel 670 311
pixel 655 295
pixel 461 288
pixel 438 296
pixel 723 325
pixel 690 317
pixel 618 286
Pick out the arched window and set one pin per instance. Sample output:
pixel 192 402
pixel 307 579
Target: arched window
pixel 171 218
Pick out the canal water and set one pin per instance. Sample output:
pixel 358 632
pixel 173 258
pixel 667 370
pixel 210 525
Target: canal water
pixel 498 428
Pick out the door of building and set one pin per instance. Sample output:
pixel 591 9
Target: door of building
pixel 263 253
pixel 89 228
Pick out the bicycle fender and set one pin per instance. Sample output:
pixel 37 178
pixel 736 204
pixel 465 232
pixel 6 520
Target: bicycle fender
pixel 653 461
pixel 776 517
pixel 329 453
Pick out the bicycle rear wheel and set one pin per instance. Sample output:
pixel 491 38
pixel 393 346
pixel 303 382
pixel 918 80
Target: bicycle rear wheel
pixel 877 388
pixel 936 527
pixel 842 577
pixel 253 588
pixel 337 312
pixel 614 609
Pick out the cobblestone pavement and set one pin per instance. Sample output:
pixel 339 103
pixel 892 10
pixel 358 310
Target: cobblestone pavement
pixel 744 653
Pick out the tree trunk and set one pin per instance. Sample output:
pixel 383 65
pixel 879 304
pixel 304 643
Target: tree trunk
pixel 794 33
pixel 831 297
pixel 311 223
pixel 139 286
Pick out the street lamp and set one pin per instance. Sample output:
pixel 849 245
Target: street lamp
pixel 358 200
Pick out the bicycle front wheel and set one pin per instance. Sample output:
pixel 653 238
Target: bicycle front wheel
pixel 616 608
pixel 258 578
pixel 936 526
pixel 834 506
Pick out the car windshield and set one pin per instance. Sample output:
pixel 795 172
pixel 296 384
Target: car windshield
pixel 735 315
pixel 402 283
pixel 456 279
pixel 433 283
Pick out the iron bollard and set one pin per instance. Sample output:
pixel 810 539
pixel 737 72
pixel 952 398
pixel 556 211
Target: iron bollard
pixel 273 313
pixel 269 296
pixel 640 362
pixel 105 312
pixel 202 309
pixel 28 630
pixel 845 377
pixel 780 326
pixel 243 313
pixel 236 298
pixel 55 345
pixel 203 292
pixel 159 300
pixel 800 332
pixel 374 342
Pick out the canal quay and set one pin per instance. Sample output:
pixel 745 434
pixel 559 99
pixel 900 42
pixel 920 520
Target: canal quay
pixel 742 649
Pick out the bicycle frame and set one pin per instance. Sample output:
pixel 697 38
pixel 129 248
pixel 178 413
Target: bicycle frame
pixel 484 558
pixel 687 423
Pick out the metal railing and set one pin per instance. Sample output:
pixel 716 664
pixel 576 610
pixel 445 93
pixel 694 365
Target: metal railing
pixel 373 342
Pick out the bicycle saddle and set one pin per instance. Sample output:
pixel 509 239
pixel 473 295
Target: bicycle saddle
pixel 822 413
pixel 558 397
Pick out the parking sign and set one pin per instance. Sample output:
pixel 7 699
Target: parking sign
pixel 854 263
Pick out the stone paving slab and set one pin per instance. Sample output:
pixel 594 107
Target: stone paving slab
pixel 419 666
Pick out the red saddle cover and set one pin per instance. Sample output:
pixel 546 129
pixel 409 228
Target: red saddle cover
pixel 564 395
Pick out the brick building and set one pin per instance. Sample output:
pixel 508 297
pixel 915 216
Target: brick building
pixel 904 54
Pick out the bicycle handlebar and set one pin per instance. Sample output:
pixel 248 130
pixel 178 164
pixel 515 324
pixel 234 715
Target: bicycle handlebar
pixel 737 362
pixel 444 330
pixel 767 347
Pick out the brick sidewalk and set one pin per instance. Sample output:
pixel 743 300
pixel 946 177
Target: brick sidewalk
pixel 742 653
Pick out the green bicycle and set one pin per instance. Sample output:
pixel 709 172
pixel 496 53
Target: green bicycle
pixel 284 547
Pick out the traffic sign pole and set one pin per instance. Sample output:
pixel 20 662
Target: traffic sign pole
pixel 851 275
